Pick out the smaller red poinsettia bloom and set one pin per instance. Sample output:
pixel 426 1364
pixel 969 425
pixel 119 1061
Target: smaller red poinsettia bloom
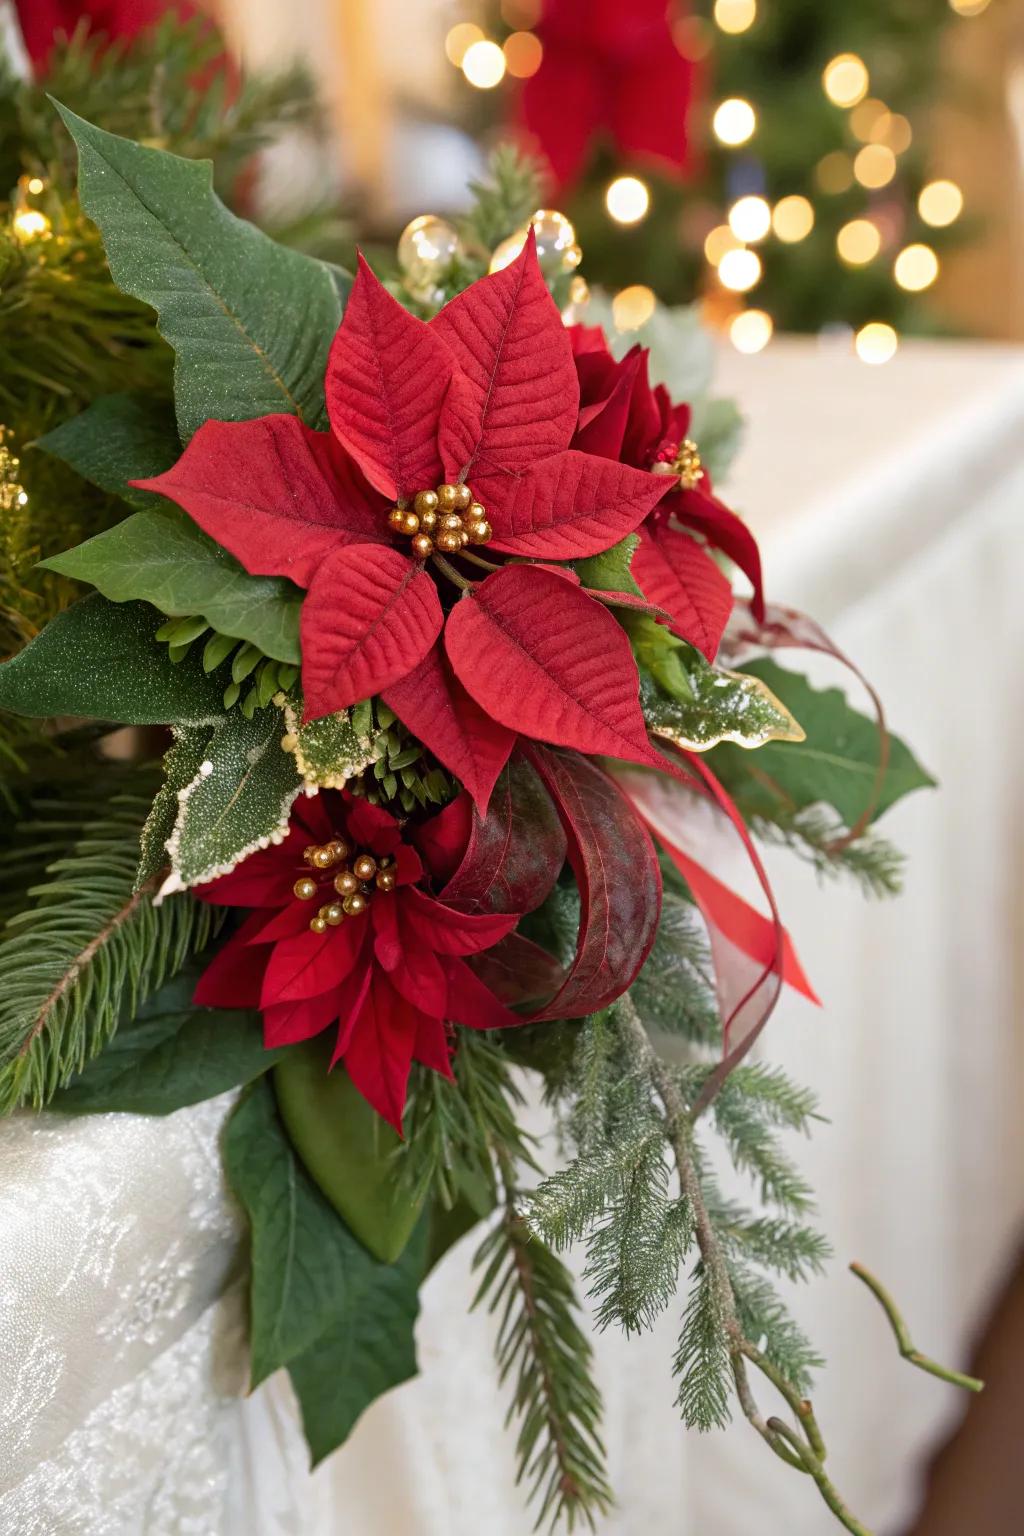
pixel 345 933
pixel 442 435
pixel 624 417
pixel 614 69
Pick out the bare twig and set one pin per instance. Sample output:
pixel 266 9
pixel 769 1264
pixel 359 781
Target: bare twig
pixel 903 1340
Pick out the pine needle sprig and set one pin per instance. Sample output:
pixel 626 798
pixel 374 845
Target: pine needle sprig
pixel 815 836
pixel 85 951
pixel 504 200
pixel 702 1361
pixel 544 1353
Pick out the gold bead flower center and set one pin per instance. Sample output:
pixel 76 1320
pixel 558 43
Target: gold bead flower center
pixel 686 465
pixel 445 519
pixel 352 876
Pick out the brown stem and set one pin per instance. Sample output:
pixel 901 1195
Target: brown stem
pixel 478 560
pixel 448 570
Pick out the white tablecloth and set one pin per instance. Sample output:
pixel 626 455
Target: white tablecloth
pixel 889 504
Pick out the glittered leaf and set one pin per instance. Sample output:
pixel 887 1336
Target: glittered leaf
pixel 169 1055
pixel 250 320
pixel 182 762
pixel 836 765
pixel 163 558
pixel 118 438
pixel 725 706
pixel 100 660
pixel 330 751
pixel 238 801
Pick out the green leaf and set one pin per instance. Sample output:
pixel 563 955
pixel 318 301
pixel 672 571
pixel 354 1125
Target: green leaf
pixel 250 321
pixel 610 571
pixel 238 801
pixel 725 706
pixel 330 751
pixel 347 1149
pixel 116 439
pixel 182 762
pixel 320 1304
pixel 163 558
pixel 85 954
pixel 100 660
pixel 836 765
pixel 717 428
pixel 169 1055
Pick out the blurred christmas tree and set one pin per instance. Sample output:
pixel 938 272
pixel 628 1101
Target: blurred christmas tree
pixel 770 156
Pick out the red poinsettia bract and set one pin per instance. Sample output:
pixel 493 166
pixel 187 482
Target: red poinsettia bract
pixel 484 402
pixel 624 418
pixel 388 977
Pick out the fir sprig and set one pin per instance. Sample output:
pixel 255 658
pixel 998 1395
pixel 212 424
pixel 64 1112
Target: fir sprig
pixel 86 949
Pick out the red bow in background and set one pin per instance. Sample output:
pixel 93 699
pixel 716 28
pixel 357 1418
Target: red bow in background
pixel 609 66
pixel 42 20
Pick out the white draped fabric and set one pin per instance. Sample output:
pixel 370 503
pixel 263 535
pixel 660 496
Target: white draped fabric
pixel 889 504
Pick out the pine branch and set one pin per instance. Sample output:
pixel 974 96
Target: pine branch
pixel 86 951
pixel 815 836
pixel 544 1353
pixel 674 992
pixel 504 201
pixel 702 1361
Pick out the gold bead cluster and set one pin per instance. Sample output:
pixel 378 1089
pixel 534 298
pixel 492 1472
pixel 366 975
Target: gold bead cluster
pixel 688 465
pixel 446 519
pixel 355 878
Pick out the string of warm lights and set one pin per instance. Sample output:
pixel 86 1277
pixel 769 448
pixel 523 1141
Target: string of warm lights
pixel 735 267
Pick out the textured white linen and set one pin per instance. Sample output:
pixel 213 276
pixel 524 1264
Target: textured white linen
pixel 889 503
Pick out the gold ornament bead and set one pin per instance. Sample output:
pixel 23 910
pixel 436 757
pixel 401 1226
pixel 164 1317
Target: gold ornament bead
pixel 385 861
pixel 333 915
pixel 355 904
pixel 480 532
pixel 410 523
pixel 322 858
pixel 365 867
pixel 463 497
pixel 345 883
pixel 555 237
pixel 475 512
pixel 463 537
pixel 448 496
pixel 396 517
pixel 426 501
pixel 305 888
pixel 688 465
pixel 339 848
pixel 318 924
pixel 428 521
pixel 422 546
pixel 449 542
pixel 386 880
pixel 451 522
pixel 426 249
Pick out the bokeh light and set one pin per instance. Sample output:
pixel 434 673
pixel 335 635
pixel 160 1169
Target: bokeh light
pixel 834 172
pixel 750 219
pixel 874 165
pixel 627 199
pixel 968 7
pixel 939 203
pixel 876 342
pixel 523 53
pixel 632 307
pixel 858 241
pixel 734 121
pixel 845 79
pixel 720 240
pixel 735 15
pixel 483 64
pixel 793 218
pixel 893 130
pixel 29 223
pixel 460 39
pixel 916 268
pixel 865 116
pixel 739 270
pixel 751 330
pixel 520 14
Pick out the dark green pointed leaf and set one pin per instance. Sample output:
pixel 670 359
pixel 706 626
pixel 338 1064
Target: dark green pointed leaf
pixel 347 1149
pixel 169 1055
pixel 239 800
pixel 116 439
pixel 182 762
pixel 100 660
pixel 320 1304
pixel 836 765
pixel 250 321
pixel 165 559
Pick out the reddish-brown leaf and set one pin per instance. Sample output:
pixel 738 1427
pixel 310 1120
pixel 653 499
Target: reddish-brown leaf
pixel 567 505
pixel 515 852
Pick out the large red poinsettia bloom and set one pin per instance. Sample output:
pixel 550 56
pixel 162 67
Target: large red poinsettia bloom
pixel 474 411
pixel 609 67
pixel 345 934
pixel 624 418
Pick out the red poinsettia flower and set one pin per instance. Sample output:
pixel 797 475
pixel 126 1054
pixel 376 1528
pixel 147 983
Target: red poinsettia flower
pixel 345 934
pixel 441 433
pixel 43 21
pixel 609 67
pixel 623 417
